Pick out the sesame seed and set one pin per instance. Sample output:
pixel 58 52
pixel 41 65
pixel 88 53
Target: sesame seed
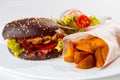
pixel 27 31
pixel 33 20
pixel 39 25
pixel 38 22
pixel 33 23
pixel 44 29
pixel 7 35
pixel 28 23
pixel 23 29
pixel 13 25
pixel 24 25
pixel 48 25
pixel 21 25
pixel 41 34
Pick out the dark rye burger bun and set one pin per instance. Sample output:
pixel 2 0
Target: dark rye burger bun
pixel 33 38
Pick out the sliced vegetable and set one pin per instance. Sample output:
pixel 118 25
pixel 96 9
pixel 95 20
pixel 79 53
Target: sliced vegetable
pixel 67 21
pixel 74 18
pixel 94 20
pixel 83 21
pixel 42 47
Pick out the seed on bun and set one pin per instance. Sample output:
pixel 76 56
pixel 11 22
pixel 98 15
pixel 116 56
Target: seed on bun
pixel 33 38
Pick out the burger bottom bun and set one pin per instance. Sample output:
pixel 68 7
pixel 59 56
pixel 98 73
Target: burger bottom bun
pixel 53 54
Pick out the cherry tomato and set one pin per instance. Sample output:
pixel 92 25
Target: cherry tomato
pixel 83 21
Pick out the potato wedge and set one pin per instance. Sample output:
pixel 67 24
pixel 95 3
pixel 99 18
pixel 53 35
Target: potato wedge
pixel 88 62
pixel 69 56
pixel 82 41
pixel 79 56
pixel 87 53
pixel 104 52
pixel 85 40
pixel 96 43
pixel 84 47
pixel 99 58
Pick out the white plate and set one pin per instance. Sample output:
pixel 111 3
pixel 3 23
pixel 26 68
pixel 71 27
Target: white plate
pixel 53 68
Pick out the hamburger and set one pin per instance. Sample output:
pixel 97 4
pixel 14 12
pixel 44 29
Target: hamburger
pixel 33 38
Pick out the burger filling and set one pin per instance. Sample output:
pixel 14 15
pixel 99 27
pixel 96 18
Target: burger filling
pixel 39 46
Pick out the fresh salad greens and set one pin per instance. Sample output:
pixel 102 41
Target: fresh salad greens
pixel 59 46
pixel 78 22
pixel 15 47
pixel 94 20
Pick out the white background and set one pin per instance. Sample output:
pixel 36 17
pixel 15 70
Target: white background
pixel 14 9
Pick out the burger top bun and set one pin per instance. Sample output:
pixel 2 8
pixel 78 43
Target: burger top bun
pixel 29 27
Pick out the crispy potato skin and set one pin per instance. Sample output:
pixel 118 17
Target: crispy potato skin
pixel 96 43
pixel 99 58
pixel 69 57
pixel 79 56
pixel 87 63
pixel 104 52
pixel 87 53
pixel 84 47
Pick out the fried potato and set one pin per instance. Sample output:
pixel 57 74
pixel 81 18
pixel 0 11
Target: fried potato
pixel 79 56
pixel 99 58
pixel 85 40
pixel 69 56
pixel 96 43
pixel 82 41
pixel 87 53
pixel 88 62
pixel 84 47
pixel 104 52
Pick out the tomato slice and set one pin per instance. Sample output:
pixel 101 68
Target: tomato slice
pixel 83 21
pixel 42 47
